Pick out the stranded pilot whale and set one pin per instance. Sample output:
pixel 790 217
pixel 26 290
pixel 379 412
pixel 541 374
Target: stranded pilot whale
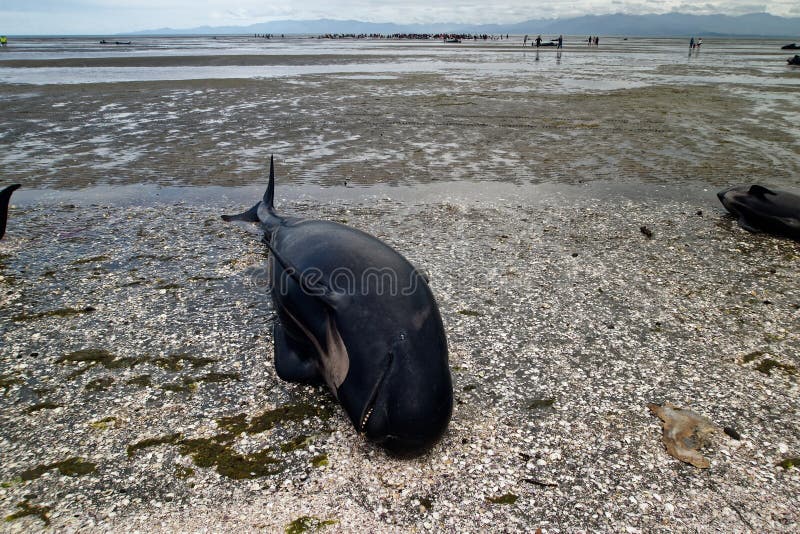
pixel 761 209
pixel 355 314
pixel 5 198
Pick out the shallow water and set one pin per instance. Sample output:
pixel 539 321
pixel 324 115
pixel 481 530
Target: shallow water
pixel 198 111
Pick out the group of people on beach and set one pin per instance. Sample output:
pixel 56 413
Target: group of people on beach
pixel 559 42
pixel 419 36
pixel 593 41
pixel 695 44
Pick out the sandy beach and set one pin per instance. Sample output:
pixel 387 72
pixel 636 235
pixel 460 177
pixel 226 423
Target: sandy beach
pixel 136 378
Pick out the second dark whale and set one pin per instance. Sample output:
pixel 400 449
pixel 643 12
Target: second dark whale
pixel 760 209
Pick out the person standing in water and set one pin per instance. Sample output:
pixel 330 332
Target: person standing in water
pixel 691 43
pixel 3 41
pixel 560 41
pixel 538 41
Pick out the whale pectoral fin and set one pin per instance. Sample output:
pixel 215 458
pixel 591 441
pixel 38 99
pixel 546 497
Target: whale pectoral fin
pixel 290 362
pixel 747 226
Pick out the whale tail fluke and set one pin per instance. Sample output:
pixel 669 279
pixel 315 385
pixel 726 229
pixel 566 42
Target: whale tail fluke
pixel 250 215
pixel 5 198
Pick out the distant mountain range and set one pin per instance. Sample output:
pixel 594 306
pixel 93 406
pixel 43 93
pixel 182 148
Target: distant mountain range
pixel 671 24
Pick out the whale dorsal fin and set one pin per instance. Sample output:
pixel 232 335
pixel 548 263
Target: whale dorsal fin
pixel 308 282
pixel 269 194
pixel 760 191
pixel 264 211
pixel 5 198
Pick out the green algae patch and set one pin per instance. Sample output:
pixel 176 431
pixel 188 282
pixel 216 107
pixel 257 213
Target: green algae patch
pixel 93 259
pixel 100 384
pixel 27 509
pixel 232 425
pixel 508 498
pixel 104 424
pixel 208 452
pixel 176 362
pixel 299 442
pixel 59 312
pixel 538 404
pixel 308 523
pixel 16 481
pixel 43 406
pixel 71 467
pixel 470 313
pixel 90 356
pixel 170 439
pixel 94 357
pixel 217 451
pixel 291 412
pixel 187 386
pixel 182 472
pixel 751 357
pixel 790 463
pixel 320 460
pixel 142 381
pixel 218 377
pixel 768 364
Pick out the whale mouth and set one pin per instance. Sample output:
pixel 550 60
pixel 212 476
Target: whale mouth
pixel 369 407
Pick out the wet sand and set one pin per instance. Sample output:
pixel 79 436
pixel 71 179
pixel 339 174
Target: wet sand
pixel 136 382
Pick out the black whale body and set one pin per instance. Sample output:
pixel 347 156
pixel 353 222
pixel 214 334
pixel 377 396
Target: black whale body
pixel 760 209
pixel 355 314
pixel 5 198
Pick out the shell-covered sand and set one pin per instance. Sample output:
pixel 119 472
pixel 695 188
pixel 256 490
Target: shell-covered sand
pixel 137 390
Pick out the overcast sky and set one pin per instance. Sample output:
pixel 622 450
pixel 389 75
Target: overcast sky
pixel 22 17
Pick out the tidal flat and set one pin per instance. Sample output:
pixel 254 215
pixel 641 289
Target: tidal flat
pixel 137 390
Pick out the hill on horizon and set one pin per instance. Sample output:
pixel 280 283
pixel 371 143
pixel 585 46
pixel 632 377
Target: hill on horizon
pixel 670 24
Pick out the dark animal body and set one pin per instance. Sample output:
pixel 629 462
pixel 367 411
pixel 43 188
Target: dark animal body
pixel 794 61
pixel 355 314
pixel 764 210
pixel 5 198
pixel 792 46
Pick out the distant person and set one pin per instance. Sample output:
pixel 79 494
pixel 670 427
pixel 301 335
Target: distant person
pixel 597 40
pixel 525 41
pixel 560 41
pixel 589 41
pixel 538 41
pixel 3 41
pixel 691 43
pixel 699 42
